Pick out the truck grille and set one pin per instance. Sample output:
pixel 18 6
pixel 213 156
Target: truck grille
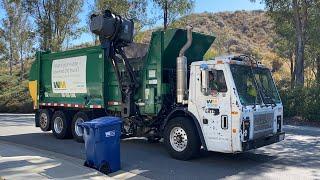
pixel 263 124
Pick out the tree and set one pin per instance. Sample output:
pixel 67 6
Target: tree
pixel 284 39
pixel 300 14
pixel 9 24
pixel 25 42
pixel 313 36
pixel 295 13
pixel 171 9
pixel 133 9
pixel 56 21
pixel 15 33
pixel 3 49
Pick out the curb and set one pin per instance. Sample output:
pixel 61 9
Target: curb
pixel 48 154
pixel 308 128
pixel 121 174
pixel 74 162
pixel 13 114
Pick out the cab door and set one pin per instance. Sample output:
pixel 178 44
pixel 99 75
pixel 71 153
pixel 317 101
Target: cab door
pixel 214 105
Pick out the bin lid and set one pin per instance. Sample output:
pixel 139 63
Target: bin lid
pixel 102 122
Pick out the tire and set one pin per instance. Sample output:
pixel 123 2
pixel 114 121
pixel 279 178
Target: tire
pixel 61 126
pixel 76 132
pixel 45 119
pixel 175 133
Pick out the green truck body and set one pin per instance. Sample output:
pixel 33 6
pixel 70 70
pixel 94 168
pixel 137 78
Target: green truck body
pixel 82 78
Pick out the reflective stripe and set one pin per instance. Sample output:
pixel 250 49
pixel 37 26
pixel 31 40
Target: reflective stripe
pixel 113 103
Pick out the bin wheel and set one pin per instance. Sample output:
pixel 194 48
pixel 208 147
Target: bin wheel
pixel 77 131
pixel 86 164
pixel 105 168
pixel 45 119
pixel 61 127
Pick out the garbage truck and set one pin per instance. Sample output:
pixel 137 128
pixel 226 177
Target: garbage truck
pixel 166 90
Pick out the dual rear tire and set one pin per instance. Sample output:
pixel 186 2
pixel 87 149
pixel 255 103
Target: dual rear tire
pixel 77 131
pixel 45 117
pixel 61 127
pixel 60 124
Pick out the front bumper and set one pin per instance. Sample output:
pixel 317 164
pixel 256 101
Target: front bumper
pixel 262 141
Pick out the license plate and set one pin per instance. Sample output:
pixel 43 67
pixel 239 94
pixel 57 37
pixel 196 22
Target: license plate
pixel 281 137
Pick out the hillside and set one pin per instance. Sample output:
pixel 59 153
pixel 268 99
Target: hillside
pixel 236 32
pixel 248 32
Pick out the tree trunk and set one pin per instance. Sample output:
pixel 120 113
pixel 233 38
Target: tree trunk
pixel 299 81
pixel 165 15
pixel 10 49
pixel 10 64
pixel 300 23
pixel 21 63
pixel 292 73
pixel 49 30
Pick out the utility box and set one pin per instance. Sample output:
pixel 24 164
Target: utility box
pixel 102 143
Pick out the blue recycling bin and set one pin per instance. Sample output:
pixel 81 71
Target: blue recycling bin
pixel 102 143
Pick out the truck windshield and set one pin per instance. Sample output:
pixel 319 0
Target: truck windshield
pixel 250 93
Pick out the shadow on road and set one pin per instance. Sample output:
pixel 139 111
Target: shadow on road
pixel 300 149
pixel 20 162
pixel 7 121
pixel 152 161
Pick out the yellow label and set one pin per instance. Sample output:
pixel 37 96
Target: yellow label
pixel 33 92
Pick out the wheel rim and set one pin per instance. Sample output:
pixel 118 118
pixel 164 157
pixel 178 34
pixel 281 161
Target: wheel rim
pixel 77 128
pixel 43 120
pixel 58 125
pixel 178 139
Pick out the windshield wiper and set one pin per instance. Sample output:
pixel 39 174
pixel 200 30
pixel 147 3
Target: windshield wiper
pixel 257 86
pixel 267 94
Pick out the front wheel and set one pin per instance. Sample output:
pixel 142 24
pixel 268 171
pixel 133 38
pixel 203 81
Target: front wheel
pixel 181 138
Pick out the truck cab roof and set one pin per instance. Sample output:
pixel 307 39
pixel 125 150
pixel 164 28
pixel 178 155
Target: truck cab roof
pixel 240 59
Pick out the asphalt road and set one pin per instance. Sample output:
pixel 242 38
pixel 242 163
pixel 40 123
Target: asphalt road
pixel 298 157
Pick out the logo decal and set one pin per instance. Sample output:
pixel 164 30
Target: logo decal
pixel 110 133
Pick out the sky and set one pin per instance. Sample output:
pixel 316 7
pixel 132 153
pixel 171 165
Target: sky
pixel 225 5
pixel 200 6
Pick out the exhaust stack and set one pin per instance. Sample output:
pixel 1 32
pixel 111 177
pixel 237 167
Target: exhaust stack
pixel 182 69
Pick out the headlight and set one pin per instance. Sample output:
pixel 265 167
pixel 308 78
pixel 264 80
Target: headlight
pixel 279 119
pixel 246 129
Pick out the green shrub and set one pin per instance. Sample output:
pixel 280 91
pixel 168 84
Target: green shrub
pixel 302 102
pixel 14 95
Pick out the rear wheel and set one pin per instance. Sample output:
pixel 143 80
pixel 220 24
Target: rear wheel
pixel 61 127
pixel 77 131
pixel 181 138
pixel 45 119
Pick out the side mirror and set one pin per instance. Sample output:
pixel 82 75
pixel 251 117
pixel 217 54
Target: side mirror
pixel 205 81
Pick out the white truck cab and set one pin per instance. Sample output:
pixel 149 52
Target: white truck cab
pixel 236 103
